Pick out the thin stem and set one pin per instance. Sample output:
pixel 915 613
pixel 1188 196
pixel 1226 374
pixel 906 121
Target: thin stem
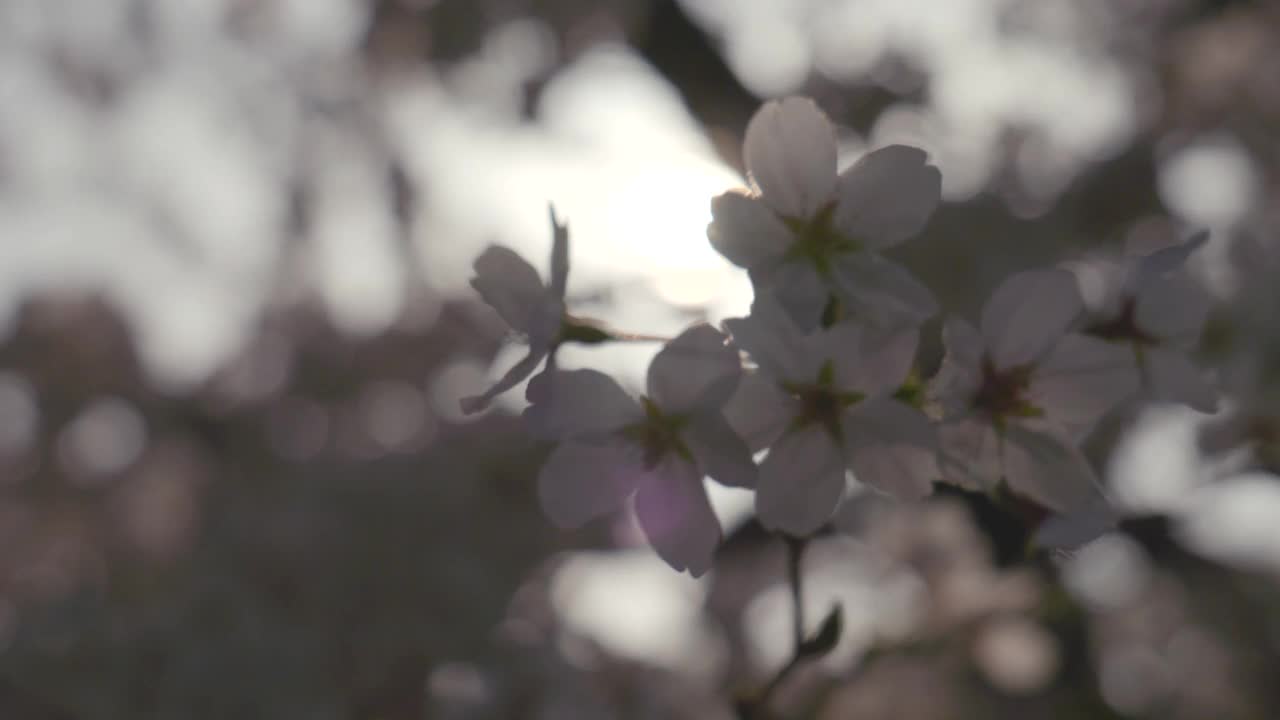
pixel 637 337
pixel 795 580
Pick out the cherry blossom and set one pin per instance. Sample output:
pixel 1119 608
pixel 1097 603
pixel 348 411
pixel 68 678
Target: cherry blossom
pixel 658 448
pixel 823 404
pixel 809 234
pixel 1149 303
pixel 1018 393
pixel 512 287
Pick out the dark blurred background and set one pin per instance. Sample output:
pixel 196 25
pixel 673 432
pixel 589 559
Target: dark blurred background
pixel 235 237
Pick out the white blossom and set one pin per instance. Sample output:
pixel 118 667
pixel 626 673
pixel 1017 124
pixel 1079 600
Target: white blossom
pixel 823 404
pixel 1149 303
pixel 658 448
pixel 509 284
pixel 1020 392
pixel 808 234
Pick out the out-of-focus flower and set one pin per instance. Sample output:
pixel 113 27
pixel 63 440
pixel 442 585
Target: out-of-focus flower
pixel 809 235
pixel 823 403
pixel 659 448
pixel 1020 392
pixel 1149 303
pixel 510 285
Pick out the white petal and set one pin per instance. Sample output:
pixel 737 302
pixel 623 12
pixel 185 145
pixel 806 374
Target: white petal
pixel 510 285
pixel 696 370
pixel 960 376
pixel 971 454
pixel 772 340
pixel 1171 377
pixel 566 403
pixel 559 256
pixel 887 196
pixel 759 412
pixel 746 231
pixel 801 482
pixel 1027 314
pixel 840 346
pixel 513 377
pixel 1077 528
pixel 1045 466
pixel 1172 308
pixel 1172 258
pixel 798 287
pixel 721 453
pixel 790 151
pixel 676 516
pixel 1081 380
pixel 892 447
pixel 880 292
pixel 583 480
pixel 884 360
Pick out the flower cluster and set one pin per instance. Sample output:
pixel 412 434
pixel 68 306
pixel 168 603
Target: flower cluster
pixel 822 372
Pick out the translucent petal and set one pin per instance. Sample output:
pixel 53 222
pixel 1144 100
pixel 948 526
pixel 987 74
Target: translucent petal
pixel 1027 314
pixel 582 480
pixel 970 454
pixel 1172 308
pixel 797 287
pixel 723 455
pixel 887 196
pixel 1171 377
pixel 884 361
pixel 772 340
pixel 1044 465
pixel 892 447
pixel 746 231
pixel 567 403
pixel 509 284
pixel 759 412
pixel 881 292
pixel 960 375
pixel 696 370
pixel 1081 380
pixel 676 516
pixel 790 151
pixel 801 482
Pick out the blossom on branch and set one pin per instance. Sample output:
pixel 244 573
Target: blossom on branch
pixel 1018 393
pixel 823 404
pixel 658 449
pixel 811 236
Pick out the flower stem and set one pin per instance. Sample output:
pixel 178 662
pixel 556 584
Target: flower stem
pixel 758 709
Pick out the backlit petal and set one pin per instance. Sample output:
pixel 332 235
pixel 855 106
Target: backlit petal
pixel 676 516
pixel 1027 314
pixel 801 482
pixel 746 231
pixel 583 480
pixel 790 151
pixel 696 370
pixel 887 196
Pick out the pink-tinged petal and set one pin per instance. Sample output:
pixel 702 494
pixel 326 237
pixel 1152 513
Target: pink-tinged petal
pixel 746 231
pixel 559 255
pixel 887 196
pixel 1103 284
pixel 960 376
pixel 971 454
pixel 884 361
pixel 790 151
pixel 801 482
pixel 582 480
pixel 509 284
pixel 1081 380
pixel 721 453
pixel 892 447
pixel 696 370
pixel 880 292
pixel 513 377
pixel 772 340
pixel 759 412
pixel 1027 314
pixel 676 516
pixel 1173 309
pixel 567 403
pixel 1171 377
pixel 1044 465
pixel 797 287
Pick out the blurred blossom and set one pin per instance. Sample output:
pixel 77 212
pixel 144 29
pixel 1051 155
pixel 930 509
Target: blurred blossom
pixel 1018 656
pixel 1210 182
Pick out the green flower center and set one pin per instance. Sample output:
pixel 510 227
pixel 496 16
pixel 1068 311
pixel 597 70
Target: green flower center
pixel 658 435
pixel 821 402
pixel 1002 394
pixel 817 241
